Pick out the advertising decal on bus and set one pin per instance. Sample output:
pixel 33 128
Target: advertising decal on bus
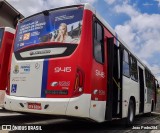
pixel 43 28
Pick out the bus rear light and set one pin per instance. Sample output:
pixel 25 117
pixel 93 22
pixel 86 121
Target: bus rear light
pixel 78 88
pixel 8 85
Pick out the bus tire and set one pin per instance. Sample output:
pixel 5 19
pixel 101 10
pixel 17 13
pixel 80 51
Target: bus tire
pixel 152 109
pixel 131 113
pixel 152 106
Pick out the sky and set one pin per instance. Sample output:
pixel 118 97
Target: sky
pixel 137 22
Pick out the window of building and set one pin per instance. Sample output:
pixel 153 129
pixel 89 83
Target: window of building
pixel 98 43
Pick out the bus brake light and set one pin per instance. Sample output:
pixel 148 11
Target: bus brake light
pixel 78 88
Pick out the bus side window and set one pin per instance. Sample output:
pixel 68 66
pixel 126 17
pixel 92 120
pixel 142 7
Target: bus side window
pixel 149 79
pixel 126 71
pixel 98 43
pixel 1 36
pixel 133 68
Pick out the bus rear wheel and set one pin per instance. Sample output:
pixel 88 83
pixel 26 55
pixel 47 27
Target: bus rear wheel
pixel 131 113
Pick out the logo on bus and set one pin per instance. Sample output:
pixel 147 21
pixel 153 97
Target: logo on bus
pixel 64 83
pixel 16 69
pixel 14 88
pixel 25 69
pixel 37 65
pixel 100 74
pixel 62 69
pixel 26 36
pixel 60 83
pixel 40 52
pixel 101 92
pixel 54 84
pixel 19 79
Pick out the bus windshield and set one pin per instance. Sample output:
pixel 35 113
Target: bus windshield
pixel 1 36
pixel 63 26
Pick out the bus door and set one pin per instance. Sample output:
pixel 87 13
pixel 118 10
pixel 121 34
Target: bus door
pixel 141 87
pixel 114 91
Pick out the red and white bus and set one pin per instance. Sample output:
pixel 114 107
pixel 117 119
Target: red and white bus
pixel 6 41
pixel 68 61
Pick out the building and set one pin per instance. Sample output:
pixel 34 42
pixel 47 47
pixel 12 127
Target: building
pixel 9 16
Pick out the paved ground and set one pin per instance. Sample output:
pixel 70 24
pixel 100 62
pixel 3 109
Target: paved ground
pixel 57 125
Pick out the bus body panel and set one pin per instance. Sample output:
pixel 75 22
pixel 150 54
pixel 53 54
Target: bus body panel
pixel 98 110
pixel 76 106
pixel 26 77
pixel 46 77
pixel 61 76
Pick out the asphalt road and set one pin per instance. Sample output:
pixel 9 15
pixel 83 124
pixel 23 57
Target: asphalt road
pixel 59 125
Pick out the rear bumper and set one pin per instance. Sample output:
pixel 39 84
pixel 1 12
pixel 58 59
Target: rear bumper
pixel 56 106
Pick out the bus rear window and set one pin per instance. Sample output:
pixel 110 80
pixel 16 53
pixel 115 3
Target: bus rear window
pixel 63 26
pixel 1 36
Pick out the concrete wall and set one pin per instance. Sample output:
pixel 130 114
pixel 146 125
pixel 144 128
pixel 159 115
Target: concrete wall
pixel 6 19
pixel 8 14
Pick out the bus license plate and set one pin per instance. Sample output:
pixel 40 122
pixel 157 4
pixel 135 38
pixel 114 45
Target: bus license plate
pixel 36 106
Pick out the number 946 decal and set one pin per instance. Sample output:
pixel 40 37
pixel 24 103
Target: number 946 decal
pixel 99 73
pixel 62 69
